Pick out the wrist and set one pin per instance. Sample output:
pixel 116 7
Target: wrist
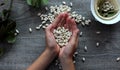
pixel 65 57
pixel 51 53
pixel 67 64
pixel 65 60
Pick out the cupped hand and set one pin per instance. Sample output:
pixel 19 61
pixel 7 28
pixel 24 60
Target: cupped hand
pixel 62 20
pixel 66 52
pixel 50 39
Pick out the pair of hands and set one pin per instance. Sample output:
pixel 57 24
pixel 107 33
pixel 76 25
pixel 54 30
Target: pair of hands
pixel 66 52
pixel 53 49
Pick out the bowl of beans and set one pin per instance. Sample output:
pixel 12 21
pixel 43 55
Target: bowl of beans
pixel 106 11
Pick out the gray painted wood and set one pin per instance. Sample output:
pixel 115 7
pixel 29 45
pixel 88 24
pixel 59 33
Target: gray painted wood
pixel 29 46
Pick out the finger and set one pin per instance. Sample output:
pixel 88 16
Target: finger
pixel 57 20
pixel 63 21
pixel 73 43
pixel 74 36
pixel 74 25
pixel 66 25
pixel 76 45
pixel 65 18
pixel 68 21
pixel 71 24
pixel 48 29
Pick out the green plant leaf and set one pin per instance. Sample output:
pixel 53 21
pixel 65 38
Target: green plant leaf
pixel 2 30
pixel 5 14
pixel 7 26
pixel 37 3
pixel 45 2
pixel 11 25
pixel 11 39
pixel 29 2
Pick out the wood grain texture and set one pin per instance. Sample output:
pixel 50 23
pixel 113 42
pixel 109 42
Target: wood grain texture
pixel 29 46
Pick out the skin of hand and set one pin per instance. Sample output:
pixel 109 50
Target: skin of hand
pixel 66 52
pixel 50 39
pixel 53 49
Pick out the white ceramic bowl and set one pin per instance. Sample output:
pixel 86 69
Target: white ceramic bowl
pixel 104 21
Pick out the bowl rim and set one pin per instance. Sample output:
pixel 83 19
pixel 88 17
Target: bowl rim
pixel 110 21
pixel 107 18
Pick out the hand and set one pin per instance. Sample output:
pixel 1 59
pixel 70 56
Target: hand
pixel 66 52
pixel 52 48
pixel 50 40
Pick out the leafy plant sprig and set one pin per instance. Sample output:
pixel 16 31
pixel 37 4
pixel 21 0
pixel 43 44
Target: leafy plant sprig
pixel 37 3
pixel 7 25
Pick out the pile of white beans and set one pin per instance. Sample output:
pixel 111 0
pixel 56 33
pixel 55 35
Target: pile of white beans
pixel 62 36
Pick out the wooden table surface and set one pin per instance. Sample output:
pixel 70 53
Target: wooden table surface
pixel 29 46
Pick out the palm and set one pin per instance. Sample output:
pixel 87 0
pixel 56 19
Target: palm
pixel 62 21
pixel 69 49
pixel 51 41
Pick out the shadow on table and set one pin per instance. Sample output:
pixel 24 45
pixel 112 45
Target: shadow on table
pixel 4 48
pixel 42 9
